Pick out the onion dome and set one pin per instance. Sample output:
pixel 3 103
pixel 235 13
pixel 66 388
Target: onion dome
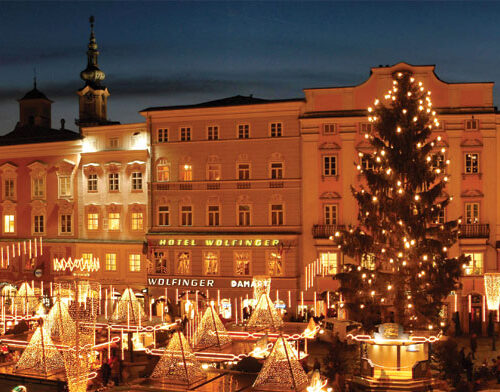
pixel 92 75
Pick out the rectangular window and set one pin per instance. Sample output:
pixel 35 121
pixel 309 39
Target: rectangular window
pixel 185 134
pixel 163 216
pixel 134 262
pixel 163 171
pixel 329 129
pixel 137 181
pixel 471 213
pixel 365 163
pixel 114 143
pixel 93 221
pixel 38 187
pixel 437 161
pixel 183 263
pixel 213 172
pixel 441 216
pixel 210 263
pixel 186 216
pixel 276 170
pixel 87 257
pixel 114 182
pixel 243 131
pixel 472 125
pixel 66 224
pixel 110 261
pixel 64 186
pixel 162 135
pixel 243 171
pixel 187 173
pixel 365 128
pixel 92 183
pixel 38 224
pixel 213 132
pixel 475 265
pixel 161 263
pixel 329 262
pixel 213 216
pixel 276 129
pixel 242 259
pixel 9 223
pixel 276 214
pixel 368 261
pixel 471 163
pixel 137 221
pixel 330 214
pixel 274 263
pixel 114 221
pixel 244 215
pixel 329 165
pixel 9 188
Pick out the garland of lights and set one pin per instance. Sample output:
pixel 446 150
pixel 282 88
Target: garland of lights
pixel 492 289
pixel 80 265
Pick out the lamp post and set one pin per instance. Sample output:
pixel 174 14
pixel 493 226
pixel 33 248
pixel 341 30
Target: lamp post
pixel 492 291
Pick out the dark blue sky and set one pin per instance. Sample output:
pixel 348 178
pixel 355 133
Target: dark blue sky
pixel 170 53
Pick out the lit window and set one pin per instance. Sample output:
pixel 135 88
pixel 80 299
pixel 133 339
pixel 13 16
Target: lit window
pixel 274 263
pixel 213 133
pixel 9 188
pixel 163 171
pixel 213 172
pixel 243 171
pixel 64 186
pixel 114 143
pixel 276 170
pixel 243 131
pixel 186 216
pixel 134 262
pixel 472 125
pixel 366 164
pixel 114 221
pixel 244 215
pixel 161 262
pixel 368 261
pixel 276 214
pixel 9 225
pixel 66 223
pixel 38 187
pixel 110 262
pixel 38 224
pixel 187 173
pixel 329 262
pixel 213 216
pixel 162 135
pixel 276 129
pixel 93 221
pixel 185 134
pixel 137 221
pixel 210 263
pixel 163 216
pixel 242 262
pixel 437 161
pixel 441 216
pixel 87 257
pixel 183 266
pixel 471 163
pixel 330 214
pixel 471 213
pixel 475 265
pixel 114 182
pixel 92 183
pixel 330 165
pixel 329 129
pixel 137 181
pixel 365 128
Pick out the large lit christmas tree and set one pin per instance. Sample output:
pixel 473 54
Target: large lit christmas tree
pixel 402 239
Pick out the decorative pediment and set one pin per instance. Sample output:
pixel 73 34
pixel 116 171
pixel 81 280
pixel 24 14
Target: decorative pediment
pixel 136 166
pixel 113 207
pixel 113 167
pixel 213 200
pixel 329 146
pixel 276 198
pixel 213 159
pixel 8 169
pixel 38 207
pixel 8 206
pixel 243 158
pixel 471 143
pixel 243 199
pixel 163 200
pixel 92 208
pixel 276 156
pixel 65 167
pixel 65 206
pixel 92 168
pixel 441 143
pixel 472 193
pixel 364 146
pixel 137 207
pixel 186 159
pixel 186 200
pixel 37 169
pixel 330 196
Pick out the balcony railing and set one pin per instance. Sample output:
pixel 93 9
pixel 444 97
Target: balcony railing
pixel 474 230
pixel 325 231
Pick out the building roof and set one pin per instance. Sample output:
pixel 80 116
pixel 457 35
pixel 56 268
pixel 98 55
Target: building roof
pixel 34 94
pixel 237 100
pixel 31 134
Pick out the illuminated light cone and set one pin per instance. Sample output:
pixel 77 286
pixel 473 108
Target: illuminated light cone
pixel 178 364
pixel 25 299
pixel 211 332
pixel 282 370
pixel 311 329
pixel 40 356
pixel 59 321
pixel 128 308
pixel 265 314
pixel 492 290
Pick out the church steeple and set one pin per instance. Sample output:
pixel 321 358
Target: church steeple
pixel 93 96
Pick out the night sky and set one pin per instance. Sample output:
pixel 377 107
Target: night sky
pixel 171 53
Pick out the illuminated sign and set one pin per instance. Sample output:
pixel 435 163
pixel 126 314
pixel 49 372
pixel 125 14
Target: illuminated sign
pixel 77 265
pixel 217 242
pixel 197 282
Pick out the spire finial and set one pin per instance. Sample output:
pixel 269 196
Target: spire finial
pixel 34 78
pixel 92 74
pixel 91 20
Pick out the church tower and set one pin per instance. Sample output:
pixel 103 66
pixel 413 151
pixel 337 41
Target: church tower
pixel 35 109
pixel 93 96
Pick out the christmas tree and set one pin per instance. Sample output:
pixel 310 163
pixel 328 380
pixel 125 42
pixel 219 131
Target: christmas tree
pixel 211 332
pixel 178 363
pixel 265 314
pixel 281 371
pixel 128 308
pixel 402 239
